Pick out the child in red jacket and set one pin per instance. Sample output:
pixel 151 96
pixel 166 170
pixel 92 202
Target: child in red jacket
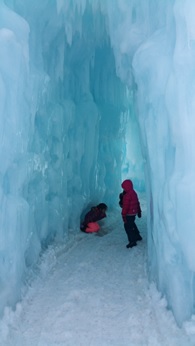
pixel 90 225
pixel 130 208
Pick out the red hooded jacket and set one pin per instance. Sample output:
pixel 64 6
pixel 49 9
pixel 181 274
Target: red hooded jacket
pixel 131 205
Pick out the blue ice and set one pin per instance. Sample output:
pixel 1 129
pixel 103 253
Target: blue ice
pixel 93 92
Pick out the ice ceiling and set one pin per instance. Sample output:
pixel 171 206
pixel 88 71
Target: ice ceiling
pixel 93 92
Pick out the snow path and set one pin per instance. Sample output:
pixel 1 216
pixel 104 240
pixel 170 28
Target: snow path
pixel 93 292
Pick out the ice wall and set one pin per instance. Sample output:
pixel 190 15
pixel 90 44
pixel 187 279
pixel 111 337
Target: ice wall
pixel 70 109
pixel 63 117
pixel 163 67
pixel 155 54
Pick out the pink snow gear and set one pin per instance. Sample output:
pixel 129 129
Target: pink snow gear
pixel 92 227
pixel 130 204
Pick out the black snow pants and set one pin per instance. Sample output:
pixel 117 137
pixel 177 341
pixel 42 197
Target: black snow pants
pixel 131 229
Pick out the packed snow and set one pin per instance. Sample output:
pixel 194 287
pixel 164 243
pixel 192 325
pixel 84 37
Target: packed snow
pixel 94 291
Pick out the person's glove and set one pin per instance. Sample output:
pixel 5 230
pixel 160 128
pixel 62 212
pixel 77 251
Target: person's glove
pixel 139 214
pixel 83 227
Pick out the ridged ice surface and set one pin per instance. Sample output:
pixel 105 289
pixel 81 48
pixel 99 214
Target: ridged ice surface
pixel 84 85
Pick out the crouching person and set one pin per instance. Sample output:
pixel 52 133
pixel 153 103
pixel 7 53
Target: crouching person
pixel 90 225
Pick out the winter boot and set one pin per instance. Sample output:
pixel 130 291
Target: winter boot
pixel 130 245
pixel 139 237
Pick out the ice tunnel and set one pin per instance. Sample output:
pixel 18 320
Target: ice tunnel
pixel 93 92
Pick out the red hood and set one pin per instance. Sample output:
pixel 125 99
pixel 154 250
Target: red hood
pixel 127 185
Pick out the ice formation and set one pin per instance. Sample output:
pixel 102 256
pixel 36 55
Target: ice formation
pixel 92 92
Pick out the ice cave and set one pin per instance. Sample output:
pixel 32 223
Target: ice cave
pixel 94 91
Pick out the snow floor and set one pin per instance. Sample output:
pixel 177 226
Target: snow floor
pixel 92 291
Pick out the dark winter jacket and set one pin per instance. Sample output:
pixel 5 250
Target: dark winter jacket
pixel 131 205
pixel 95 214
